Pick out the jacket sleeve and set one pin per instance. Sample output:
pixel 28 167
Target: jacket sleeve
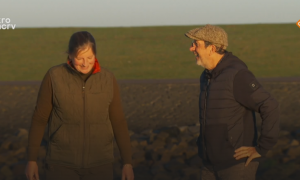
pixel 40 118
pixel 119 125
pixel 249 93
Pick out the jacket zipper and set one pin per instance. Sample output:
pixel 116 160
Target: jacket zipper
pixel 83 96
pixel 204 120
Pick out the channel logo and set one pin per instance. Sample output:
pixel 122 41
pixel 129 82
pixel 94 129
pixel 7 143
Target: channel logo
pixel 5 23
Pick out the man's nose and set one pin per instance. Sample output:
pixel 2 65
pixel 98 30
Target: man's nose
pixel 192 48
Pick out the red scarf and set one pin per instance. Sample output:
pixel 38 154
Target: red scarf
pixel 96 67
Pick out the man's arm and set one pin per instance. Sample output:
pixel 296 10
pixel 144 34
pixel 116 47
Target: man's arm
pixel 249 92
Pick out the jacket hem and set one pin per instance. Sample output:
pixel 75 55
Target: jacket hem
pixel 229 163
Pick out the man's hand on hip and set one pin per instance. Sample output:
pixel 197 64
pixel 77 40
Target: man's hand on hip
pixel 244 151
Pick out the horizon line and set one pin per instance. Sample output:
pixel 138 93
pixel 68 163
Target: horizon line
pixel 141 26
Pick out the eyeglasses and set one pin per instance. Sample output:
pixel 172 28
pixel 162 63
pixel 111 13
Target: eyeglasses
pixel 194 43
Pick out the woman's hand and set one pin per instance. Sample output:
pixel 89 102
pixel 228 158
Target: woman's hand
pixel 127 172
pixel 32 171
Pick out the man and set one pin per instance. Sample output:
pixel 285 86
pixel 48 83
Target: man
pixel 229 97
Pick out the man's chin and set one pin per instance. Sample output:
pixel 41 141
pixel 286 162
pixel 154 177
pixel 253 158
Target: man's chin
pixel 199 63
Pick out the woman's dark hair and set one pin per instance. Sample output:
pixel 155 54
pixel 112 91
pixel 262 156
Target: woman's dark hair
pixel 81 40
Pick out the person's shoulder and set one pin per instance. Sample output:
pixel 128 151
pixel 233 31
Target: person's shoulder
pixel 56 67
pixel 57 70
pixel 106 70
pixel 236 62
pixel 241 67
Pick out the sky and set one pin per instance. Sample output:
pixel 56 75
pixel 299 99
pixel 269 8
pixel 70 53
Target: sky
pixel 132 13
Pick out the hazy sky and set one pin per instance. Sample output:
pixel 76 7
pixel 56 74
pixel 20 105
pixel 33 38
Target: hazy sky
pixel 120 13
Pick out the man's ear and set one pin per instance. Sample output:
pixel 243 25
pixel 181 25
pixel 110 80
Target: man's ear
pixel 212 49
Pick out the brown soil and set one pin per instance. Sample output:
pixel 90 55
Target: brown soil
pixel 147 103
pixel 158 103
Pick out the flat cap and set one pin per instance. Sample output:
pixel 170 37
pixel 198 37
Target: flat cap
pixel 210 33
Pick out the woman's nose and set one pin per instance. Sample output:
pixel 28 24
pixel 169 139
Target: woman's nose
pixel 83 62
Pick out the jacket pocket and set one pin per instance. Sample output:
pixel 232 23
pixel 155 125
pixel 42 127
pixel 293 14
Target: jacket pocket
pixel 219 149
pixel 63 145
pixel 66 136
pixel 58 135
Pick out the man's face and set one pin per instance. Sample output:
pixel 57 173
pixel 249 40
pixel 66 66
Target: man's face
pixel 201 53
pixel 84 61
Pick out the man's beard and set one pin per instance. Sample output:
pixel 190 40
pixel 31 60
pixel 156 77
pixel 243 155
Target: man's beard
pixel 198 62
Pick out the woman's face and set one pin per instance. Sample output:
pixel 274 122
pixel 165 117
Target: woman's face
pixel 84 61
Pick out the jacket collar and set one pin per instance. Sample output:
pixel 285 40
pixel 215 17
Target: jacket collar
pixel 223 63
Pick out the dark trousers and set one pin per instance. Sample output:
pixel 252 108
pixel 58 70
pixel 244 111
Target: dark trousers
pixel 236 172
pixel 56 172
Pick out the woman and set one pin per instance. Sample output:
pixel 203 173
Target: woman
pixel 81 103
